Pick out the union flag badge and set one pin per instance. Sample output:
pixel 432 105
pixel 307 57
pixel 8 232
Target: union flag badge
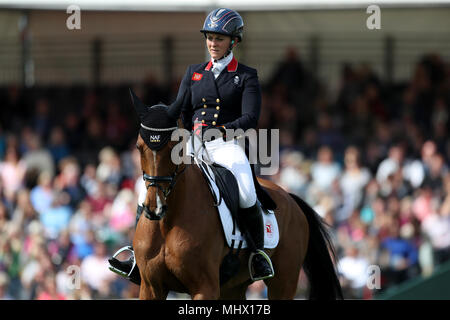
pixel 197 76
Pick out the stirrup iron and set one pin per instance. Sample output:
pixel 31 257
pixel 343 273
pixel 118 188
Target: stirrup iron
pixel 267 258
pixel 119 272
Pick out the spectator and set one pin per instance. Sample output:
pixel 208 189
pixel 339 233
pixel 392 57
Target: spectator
pixel 94 269
pixel 123 211
pixel 88 180
pixel 56 218
pixel 290 72
pixel 293 175
pixel 41 120
pixel 401 254
pixel 61 250
pixel 353 180
pixel 109 168
pixel 48 290
pixel 12 171
pixel 354 269
pixel 324 171
pixel 436 170
pixel 37 157
pixel 391 164
pixel 412 171
pixel 4 295
pixel 57 145
pixel 42 195
pixel 423 203
pixel 68 181
pixel 437 227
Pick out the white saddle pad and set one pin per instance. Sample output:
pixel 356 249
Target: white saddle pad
pixel 271 233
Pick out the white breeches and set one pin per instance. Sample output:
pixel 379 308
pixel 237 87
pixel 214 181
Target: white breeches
pixel 231 156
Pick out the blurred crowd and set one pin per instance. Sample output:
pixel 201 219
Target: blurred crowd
pixel 68 173
pixel 372 161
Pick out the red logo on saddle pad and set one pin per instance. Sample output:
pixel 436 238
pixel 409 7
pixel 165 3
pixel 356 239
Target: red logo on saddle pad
pixel 197 76
pixel 268 228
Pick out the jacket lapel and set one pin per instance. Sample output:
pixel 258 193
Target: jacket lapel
pixel 209 77
pixel 227 73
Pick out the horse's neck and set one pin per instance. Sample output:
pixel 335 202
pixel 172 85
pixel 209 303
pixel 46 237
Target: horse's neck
pixel 183 196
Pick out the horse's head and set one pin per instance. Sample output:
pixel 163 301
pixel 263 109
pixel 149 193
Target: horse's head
pixel 154 145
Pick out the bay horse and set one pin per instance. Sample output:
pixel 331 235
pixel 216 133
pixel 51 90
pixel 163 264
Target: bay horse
pixel 183 251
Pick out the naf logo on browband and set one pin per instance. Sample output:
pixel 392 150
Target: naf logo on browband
pixel 197 76
pixel 155 138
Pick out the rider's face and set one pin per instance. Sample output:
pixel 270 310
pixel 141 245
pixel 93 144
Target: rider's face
pixel 217 44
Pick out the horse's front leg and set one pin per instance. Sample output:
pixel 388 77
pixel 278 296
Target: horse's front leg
pixel 152 287
pixel 198 274
pixel 207 292
pixel 146 292
pixel 147 249
pixel 205 284
pixel 150 292
pixel 200 278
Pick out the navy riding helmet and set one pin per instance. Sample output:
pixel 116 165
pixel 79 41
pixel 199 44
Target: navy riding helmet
pixel 224 21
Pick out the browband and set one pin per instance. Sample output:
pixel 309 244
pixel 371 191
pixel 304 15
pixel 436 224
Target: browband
pixel 158 129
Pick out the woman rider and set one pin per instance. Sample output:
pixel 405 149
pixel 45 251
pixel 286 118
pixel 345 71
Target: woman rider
pixel 223 94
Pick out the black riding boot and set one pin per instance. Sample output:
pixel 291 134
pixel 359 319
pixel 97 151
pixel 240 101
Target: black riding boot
pixel 127 269
pixel 259 262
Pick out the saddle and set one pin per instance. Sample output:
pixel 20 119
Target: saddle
pixel 228 189
pixel 262 195
pixel 225 191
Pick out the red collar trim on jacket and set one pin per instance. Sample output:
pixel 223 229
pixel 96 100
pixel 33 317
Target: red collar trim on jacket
pixel 208 66
pixel 231 67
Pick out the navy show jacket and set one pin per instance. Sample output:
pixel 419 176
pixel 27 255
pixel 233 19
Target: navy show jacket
pixel 233 100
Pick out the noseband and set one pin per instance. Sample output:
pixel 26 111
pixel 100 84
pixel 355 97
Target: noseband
pixel 154 181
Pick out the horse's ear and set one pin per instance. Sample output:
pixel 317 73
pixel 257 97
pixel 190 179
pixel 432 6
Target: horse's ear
pixel 139 106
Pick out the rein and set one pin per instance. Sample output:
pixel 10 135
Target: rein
pixel 155 179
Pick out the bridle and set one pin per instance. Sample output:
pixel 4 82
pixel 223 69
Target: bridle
pixel 154 181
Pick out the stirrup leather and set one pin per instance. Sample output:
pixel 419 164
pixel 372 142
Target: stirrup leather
pixel 250 268
pixel 120 272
